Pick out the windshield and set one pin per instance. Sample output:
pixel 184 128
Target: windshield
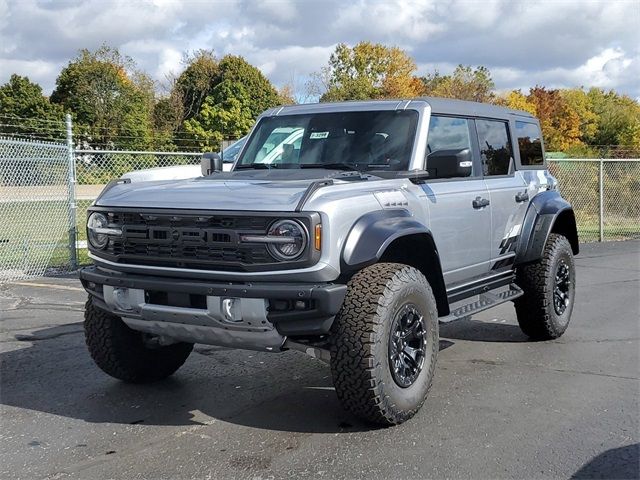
pixel 230 153
pixel 369 140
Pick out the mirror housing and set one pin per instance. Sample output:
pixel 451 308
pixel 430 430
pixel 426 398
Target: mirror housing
pixel 450 163
pixel 210 162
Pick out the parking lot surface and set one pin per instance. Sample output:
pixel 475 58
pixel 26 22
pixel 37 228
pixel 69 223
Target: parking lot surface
pixel 500 406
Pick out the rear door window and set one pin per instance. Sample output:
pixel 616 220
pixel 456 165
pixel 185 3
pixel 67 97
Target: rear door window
pixel 495 146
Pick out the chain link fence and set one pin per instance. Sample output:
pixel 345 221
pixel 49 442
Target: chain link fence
pixel 605 194
pixel 35 208
pixel 39 227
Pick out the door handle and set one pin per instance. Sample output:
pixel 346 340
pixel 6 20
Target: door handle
pixel 522 197
pixel 480 202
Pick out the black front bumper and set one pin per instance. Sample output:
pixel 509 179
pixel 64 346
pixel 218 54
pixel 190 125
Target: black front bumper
pixel 324 299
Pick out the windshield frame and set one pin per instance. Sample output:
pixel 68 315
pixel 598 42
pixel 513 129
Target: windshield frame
pixel 414 135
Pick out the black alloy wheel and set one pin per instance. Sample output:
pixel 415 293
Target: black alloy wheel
pixel 407 345
pixel 561 288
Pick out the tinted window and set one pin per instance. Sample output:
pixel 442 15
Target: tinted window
pixel 529 143
pixel 448 137
pixel 371 140
pixel 495 148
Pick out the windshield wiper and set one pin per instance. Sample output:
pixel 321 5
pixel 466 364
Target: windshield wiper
pixel 257 166
pixel 330 166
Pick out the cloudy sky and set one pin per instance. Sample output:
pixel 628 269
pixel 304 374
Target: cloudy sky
pixel 524 43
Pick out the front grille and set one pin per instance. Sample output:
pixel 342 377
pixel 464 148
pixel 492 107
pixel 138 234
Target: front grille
pixel 187 240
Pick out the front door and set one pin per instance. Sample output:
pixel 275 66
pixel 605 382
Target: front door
pixel 459 211
pixel 507 190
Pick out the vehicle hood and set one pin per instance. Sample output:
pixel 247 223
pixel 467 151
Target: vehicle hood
pixel 255 190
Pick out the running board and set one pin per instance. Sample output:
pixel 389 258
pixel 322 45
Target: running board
pixel 483 301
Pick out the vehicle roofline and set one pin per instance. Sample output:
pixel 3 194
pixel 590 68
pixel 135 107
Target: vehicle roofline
pixel 438 106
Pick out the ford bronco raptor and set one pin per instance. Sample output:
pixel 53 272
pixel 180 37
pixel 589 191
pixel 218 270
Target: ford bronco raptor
pixel 347 231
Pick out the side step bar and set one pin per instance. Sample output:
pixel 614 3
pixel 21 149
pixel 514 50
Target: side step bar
pixel 480 302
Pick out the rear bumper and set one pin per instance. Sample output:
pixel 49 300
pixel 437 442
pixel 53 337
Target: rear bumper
pixel 322 301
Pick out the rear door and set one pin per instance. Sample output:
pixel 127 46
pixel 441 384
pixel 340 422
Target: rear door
pixel 459 220
pixel 507 190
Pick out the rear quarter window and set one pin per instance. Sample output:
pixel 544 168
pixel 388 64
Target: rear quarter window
pixel 529 143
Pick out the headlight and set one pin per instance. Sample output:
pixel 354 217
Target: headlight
pixel 96 230
pixel 291 239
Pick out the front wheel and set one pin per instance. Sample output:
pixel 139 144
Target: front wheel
pixel 384 343
pixel 549 288
pixel 123 353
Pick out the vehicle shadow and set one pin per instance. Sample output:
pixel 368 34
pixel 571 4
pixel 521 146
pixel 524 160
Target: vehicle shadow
pixel 619 463
pixel 479 331
pixel 53 373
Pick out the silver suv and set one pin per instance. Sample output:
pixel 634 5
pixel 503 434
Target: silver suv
pixel 347 231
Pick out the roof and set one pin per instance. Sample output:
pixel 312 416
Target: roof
pixel 462 107
pixel 438 105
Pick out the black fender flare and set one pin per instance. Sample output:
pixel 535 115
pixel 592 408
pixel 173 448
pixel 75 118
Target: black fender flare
pixel 373 232
pixel 544 211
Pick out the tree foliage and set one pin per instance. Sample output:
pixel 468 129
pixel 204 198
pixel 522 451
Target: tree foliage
pixel 114 105
pixel 25 110
pixel 196 82
pixel 560 124
pixel 110 100
pixel 465 83
pixel 261 93
pixel 226 113
pixel 238 93
pixel 369 70
pixel 617 119
pixel 518 101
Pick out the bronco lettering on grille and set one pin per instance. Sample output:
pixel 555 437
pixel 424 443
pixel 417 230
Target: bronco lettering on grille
pixel 177 235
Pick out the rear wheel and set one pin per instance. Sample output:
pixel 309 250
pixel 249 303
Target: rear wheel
pixel 549 286
pixel 124 353
pixel 385 343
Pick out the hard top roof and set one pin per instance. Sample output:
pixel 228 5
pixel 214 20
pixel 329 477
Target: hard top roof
pixel 438 105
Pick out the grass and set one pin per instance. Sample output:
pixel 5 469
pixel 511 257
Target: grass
pixel 34 235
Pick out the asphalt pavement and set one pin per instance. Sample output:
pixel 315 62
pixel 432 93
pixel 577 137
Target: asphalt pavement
pixel 500 406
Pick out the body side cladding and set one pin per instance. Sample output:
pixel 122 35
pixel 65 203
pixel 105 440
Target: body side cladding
pixel 548 212
pixel 393 235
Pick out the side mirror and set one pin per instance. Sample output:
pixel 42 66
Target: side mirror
pixel 450 163
pixel 210 162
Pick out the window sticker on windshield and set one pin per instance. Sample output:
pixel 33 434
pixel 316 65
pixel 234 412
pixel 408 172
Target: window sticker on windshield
pixel 315 135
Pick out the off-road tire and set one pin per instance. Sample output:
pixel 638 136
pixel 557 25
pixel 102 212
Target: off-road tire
pixel 121 352
pixel 360 363
pixel 535 309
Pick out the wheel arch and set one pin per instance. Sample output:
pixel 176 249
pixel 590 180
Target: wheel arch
pixel 548 213
pixel 395 236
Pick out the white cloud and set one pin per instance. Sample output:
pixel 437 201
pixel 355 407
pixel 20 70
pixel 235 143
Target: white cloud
pixel 553 43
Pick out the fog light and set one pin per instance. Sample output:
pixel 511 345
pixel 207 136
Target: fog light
pixel 121 298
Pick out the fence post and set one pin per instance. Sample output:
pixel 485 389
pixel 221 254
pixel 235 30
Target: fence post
pixel 73 234
pixel 601 194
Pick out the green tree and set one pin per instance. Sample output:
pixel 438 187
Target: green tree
pixel 368 71
pixel 238 93
pixel 261 93
pixel 195 82
pixel 111 100
pixel 617 119
pixel 465 83
pixel 25 110
pixel 226 113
